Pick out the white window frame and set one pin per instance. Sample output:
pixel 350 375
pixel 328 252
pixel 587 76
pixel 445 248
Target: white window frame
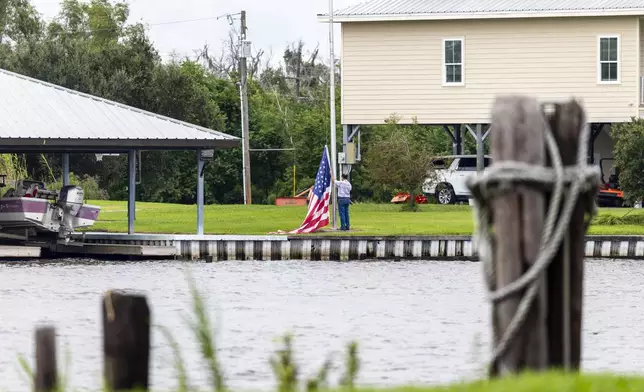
pixel 462 63
pixel 600 62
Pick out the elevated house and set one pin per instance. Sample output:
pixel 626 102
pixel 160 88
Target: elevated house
pixel 443 62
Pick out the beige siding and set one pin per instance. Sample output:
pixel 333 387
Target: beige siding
pixel 396 68
pixel 641 59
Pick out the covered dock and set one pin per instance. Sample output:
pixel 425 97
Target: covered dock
pixel 40 117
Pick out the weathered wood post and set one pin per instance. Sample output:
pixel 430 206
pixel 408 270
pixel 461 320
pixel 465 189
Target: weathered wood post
pixel 126 341
pixel 518 220
pixel 565 273
pixel 46 376
pixel 531 205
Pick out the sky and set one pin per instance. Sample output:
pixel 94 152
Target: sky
pixel 272 24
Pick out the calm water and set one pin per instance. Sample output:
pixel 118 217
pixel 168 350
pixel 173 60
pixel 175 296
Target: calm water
pixel 417 322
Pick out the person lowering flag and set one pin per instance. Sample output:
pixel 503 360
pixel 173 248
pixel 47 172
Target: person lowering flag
pixel 344 200
pixel 317 215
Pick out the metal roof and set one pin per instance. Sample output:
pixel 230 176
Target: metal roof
pixel 36 113
pixel 446 9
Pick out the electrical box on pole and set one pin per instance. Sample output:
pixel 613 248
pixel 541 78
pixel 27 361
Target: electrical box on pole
pixel 350 153
pixel 245 49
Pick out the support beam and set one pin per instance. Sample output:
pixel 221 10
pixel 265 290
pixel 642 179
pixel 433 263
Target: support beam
pixel 480 148
pixel 65 169
pixel 595 130
pixel 470 131
pixel 457 139
pixel 350 134
pixel 487 133
pixel 346 137
pixel 449 132
pixel 354 132
pixel 131 190
pixel 200 192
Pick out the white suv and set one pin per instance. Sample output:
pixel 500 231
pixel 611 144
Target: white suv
pixel 451 173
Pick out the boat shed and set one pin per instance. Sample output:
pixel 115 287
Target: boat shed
pixel 40 117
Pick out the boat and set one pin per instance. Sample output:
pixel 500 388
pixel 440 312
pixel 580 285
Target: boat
pixel 29 209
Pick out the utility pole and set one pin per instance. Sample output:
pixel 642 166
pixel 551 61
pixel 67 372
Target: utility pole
pixel 244 53
pixel 298 69
pixel 334 151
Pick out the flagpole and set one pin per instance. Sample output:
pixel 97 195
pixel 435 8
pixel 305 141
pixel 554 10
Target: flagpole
pixel 334 153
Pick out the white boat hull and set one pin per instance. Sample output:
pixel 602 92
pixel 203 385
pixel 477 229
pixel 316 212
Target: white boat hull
pixel 41 214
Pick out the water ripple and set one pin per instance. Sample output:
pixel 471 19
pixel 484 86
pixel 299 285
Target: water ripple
pixel 417 322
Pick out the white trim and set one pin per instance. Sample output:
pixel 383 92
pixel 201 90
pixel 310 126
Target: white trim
pixel 339 18
pixel 342 75
pixel 599 62
pixel 444 81
pixel 640 94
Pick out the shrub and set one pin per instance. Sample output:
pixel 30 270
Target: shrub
pixel 629 157
pixel 89 184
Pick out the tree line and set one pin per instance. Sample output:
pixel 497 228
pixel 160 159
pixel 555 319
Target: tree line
pixel 91 47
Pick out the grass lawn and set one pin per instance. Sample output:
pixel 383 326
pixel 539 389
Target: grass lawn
pixel 366 219
pixel 550 382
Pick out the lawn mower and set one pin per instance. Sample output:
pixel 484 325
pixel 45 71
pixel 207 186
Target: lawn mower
pixel 609 194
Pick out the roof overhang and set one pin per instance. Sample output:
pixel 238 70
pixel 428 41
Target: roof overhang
pixel 340 18
pixel 27 145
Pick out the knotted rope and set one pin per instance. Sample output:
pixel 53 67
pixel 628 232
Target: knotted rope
pixel 502 177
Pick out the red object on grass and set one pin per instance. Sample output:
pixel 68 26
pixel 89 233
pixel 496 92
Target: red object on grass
pixel 403 197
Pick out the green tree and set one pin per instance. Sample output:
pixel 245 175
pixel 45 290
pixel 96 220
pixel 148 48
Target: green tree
pixel 18 20
pixel 629 157
pixel 91 47
pixel 397 159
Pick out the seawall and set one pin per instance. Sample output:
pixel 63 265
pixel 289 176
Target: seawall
pixel 323 248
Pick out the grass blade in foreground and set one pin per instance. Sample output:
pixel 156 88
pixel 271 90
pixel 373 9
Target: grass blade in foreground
pixel 202 329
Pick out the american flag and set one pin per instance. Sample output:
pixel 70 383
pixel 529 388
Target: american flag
pixel 317 215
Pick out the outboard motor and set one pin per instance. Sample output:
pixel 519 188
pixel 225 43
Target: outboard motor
pixel 70 200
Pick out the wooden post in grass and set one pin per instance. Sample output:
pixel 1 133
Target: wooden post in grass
pixel 126 341
pixel 46 376
pixel 519 135
pixel 549 330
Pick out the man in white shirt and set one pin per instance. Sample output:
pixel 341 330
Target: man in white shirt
pixel 344 199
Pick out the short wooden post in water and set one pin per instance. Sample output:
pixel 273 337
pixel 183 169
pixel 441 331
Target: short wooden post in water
pixel 519 134
pixel 46 376
pixel 126 341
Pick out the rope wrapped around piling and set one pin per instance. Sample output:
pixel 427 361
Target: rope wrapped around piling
pixel 565 184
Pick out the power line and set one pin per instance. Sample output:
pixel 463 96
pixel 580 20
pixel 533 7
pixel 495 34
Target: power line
pixel 182 21
pixel 149 24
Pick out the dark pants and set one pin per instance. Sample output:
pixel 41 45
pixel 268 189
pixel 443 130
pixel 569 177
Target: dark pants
pixel 343 206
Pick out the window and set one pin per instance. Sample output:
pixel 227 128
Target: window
pixel 439 163
pixel 608 59
pixel 467 164
pixel 470 164
pixel 453 61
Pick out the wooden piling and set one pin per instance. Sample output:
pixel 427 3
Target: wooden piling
pixel 535 275
pixel 566 123
pixel 126 341
pixel 46 375
pixel 519 134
